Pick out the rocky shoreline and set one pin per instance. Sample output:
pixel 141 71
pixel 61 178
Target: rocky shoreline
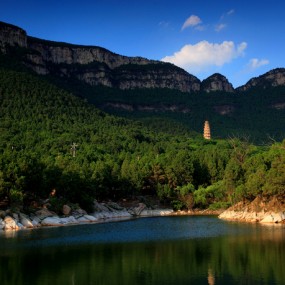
pixel 16 220
pixel 261 210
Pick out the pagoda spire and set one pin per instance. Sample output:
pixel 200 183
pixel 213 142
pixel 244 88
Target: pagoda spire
pixel 207 131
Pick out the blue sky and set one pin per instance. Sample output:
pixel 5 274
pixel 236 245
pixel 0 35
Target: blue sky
pixel 239 39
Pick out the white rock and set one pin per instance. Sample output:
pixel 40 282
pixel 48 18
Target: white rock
pixel 51 221
pixel 157 212
pixel 68 220
pixel 267 219
pixel 83 219
pixel 273 218
pixel 98 215
pixel 20 226
pixel 2 224
pixel 136 211
pixel 26 222
pixel 91 218
pixel 87 218
pixel 36 221
pixel 108 215
pixel 10 224
pixel 123 213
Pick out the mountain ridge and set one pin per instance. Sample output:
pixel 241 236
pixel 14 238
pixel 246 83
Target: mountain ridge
pixel 98 66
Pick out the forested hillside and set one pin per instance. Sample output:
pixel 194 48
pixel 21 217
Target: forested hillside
pixel 51 139
pixel 258 114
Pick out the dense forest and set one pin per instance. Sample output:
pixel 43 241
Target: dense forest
pixel 257 114
pixel 51 139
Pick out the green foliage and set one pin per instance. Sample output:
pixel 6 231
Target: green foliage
pixel 177 205
pixel 252 113
pixel 203 197
pixel 185 189
pixel 16 196
pixel 164 192
pixel 219 205
pixel 116 157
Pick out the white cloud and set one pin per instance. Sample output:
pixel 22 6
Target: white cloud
pixel 192 21
pixel 227 14
pixel 200 28
pixel 255 63
pixel 220 27
pixel 199 57
pixel 230 12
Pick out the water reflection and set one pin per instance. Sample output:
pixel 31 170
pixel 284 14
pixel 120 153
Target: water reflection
pixel 211 277
pixel 241 254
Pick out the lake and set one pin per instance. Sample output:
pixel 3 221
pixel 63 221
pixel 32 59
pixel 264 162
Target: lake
pixel 159 250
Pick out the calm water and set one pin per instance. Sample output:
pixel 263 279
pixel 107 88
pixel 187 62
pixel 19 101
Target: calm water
pixel 163 250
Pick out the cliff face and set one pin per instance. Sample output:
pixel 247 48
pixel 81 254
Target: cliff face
pixel 95 65
pixel 216 82
pixel 98 66
pixel 11 36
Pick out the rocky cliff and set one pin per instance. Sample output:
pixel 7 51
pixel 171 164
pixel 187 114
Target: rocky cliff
pixel 217 82
pixel 273 78
pixel 260 210
pixel 95 65
pixel 11 36
pixel 98 66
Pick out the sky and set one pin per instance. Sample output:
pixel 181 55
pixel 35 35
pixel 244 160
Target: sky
pixel 237 38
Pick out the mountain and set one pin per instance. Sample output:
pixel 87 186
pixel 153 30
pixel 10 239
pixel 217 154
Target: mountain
pixel 216 82
pixel 273 78
pixel 53 140
pixel 160 95
pixel 97 66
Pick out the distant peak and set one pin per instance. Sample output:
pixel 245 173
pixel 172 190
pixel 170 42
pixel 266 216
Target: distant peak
pixel 216 82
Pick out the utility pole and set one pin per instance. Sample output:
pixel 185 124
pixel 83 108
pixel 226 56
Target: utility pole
pixel 73 149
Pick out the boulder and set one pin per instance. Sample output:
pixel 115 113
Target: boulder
pixel 136 211
pixel 78 213
pixel 262 217
pixel 20 225
pixel 99 215
pixel 157 212
pixel 273 218
pixel 122 214
pixel 2 224
pixel 10 224
pixel 83 219
pixel 115 206
pixel 66 210
pixel 44 213
pixel 51 221
pixel 25 221
pixel 91 218
pixel 100 207
pixel 87 218
pixel 36 221
pixel 68 220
